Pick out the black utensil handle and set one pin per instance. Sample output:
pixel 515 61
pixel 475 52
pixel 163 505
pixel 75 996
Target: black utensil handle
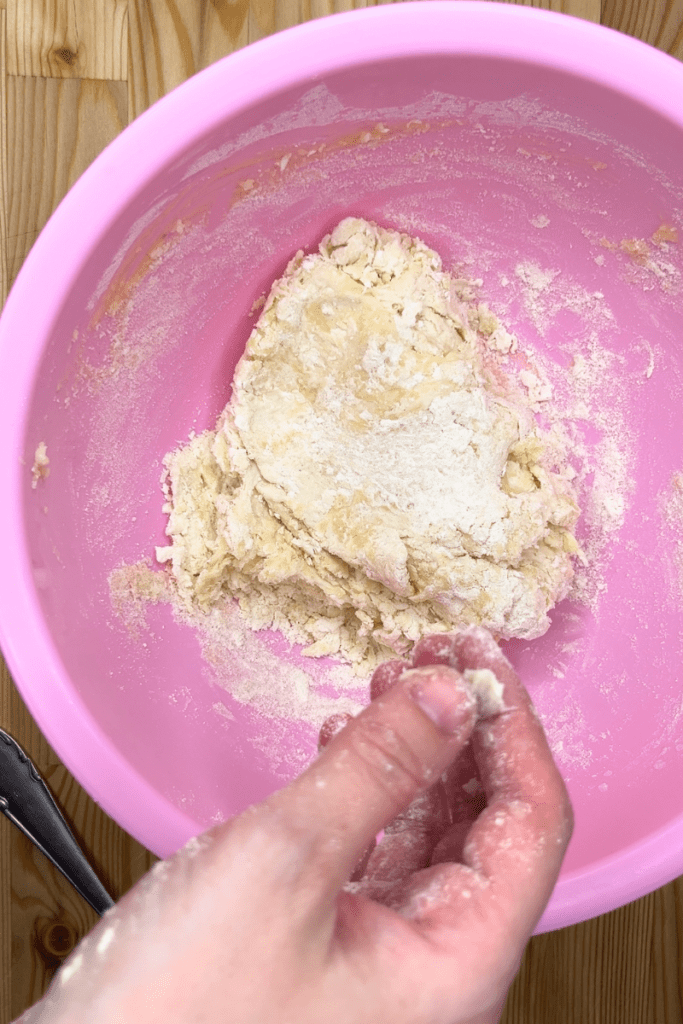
pixel 28 803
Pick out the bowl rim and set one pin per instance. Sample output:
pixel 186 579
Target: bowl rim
pixel 150 143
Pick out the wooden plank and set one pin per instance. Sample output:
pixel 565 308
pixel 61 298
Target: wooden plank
pixel 173 39
pixel 79 39
pixel 590 10
pixel 55 127
pixel 266 17
pixel 658 22
pixel 667 954
pixel 598 971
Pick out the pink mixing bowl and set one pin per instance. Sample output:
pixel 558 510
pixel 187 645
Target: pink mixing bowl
pixel 541 153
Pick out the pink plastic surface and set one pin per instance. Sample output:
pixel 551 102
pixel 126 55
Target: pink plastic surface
pixel 125 324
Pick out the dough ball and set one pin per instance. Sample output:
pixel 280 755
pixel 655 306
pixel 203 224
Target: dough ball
pixel 370 480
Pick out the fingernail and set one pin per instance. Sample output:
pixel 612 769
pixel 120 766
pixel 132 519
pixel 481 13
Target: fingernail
pixel 442 695
pixel 331 726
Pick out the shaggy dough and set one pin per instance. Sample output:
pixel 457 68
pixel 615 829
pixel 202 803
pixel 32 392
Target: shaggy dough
pixel 370 481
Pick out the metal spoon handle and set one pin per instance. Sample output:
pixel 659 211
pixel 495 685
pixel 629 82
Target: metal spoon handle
pixel 28 803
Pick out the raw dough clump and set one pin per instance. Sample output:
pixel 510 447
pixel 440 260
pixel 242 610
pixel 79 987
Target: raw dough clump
pixel 370 480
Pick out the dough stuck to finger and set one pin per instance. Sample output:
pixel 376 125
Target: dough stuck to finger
pixel 487 690
pixel 372 479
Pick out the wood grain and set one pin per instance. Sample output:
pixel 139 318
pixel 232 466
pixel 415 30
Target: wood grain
pixel 667 954
pixel 72 74
pixel 172 40
pixel 658 22
pixel 78 39
pixel 588 9
pixel 597 971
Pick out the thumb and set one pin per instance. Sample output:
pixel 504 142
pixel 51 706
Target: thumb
pixel 374 768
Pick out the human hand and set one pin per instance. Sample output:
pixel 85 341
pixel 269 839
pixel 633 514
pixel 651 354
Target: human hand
pixel 252 923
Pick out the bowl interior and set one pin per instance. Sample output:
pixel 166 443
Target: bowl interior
pixel 547 187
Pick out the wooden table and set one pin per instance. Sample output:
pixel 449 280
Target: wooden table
pixel 74 73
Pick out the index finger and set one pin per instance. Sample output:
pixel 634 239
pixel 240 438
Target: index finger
pixel 517 843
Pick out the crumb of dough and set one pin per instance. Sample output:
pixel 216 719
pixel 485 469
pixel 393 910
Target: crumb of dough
pixel 41 465
pixel 498 338
pixel 487 690
pixel 665 233
pixel 371 479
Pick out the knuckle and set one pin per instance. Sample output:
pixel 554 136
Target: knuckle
pixel 388 758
